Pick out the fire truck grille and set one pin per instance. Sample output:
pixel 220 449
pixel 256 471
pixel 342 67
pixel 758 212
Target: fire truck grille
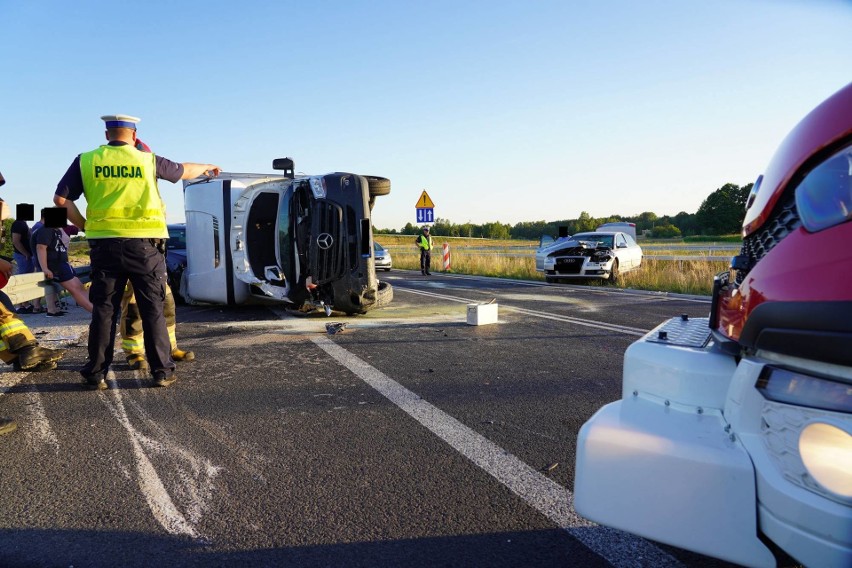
pixel 784 221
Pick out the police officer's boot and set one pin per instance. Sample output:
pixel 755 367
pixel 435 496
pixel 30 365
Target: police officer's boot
pixel 180 355
pixel 137 361
pixel 7 425
pixel 31 354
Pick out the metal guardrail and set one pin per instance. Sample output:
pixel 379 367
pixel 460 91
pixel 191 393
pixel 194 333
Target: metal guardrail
pixel 683 257
pixel 530 254
pixel 709 248
pixel 25 287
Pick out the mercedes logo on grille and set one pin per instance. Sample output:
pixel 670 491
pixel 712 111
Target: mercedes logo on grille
pixel 324 241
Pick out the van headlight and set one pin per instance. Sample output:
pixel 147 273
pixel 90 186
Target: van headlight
pixel 826 451
pixel 318 187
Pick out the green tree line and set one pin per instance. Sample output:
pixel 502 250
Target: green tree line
pixel 721 213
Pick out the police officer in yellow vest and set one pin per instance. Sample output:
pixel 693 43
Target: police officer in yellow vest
pixel 424 241
pixel 125 223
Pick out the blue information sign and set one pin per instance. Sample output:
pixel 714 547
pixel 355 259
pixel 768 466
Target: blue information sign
pixel 425 215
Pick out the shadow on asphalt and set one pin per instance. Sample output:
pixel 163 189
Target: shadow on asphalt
pixel 32 548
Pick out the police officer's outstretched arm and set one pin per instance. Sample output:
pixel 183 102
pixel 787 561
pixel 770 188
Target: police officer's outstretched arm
pixel 192 170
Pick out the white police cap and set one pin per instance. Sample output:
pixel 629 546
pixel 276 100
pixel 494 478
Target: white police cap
pixel 120 121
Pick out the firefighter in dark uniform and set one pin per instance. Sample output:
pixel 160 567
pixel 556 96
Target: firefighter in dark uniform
pixel 125 224
pixel 130 326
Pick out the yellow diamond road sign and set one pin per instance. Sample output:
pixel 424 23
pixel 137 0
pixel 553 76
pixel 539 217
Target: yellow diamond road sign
pixel 425 201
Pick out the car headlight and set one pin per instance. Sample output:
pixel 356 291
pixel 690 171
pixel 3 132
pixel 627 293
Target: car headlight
pixel 826 451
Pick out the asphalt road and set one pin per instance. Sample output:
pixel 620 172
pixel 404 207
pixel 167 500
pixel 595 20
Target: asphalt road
pixel 408 439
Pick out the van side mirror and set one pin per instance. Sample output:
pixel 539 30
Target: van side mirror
pixel 285 165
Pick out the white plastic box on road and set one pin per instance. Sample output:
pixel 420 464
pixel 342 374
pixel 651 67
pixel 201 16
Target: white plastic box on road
pixel 481 314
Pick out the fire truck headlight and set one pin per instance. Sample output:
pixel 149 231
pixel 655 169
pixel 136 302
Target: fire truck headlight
pixel 826 451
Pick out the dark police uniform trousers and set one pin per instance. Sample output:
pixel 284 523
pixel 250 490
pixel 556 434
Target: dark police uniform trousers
pixel 114 261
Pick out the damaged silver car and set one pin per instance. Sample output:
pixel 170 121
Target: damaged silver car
pixel 601 255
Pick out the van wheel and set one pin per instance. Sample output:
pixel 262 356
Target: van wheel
pixel 378 186
pixel 385 295
pixel 551 279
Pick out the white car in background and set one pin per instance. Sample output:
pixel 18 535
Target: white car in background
pixel 602 255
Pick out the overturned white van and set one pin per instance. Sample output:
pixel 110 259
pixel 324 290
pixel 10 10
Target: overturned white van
pixel 303 241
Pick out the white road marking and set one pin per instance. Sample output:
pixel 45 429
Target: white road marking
pixel 544 315
pixel 195 473
pixel 40 426
pixel 163 508
pixel 540 492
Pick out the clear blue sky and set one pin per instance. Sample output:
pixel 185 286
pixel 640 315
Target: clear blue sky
pixel 502 111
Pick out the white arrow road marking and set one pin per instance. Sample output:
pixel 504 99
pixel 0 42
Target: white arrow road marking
pixel 540 492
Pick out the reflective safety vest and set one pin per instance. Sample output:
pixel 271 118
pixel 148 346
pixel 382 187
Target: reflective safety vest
pixel 120 184
pixel 424 242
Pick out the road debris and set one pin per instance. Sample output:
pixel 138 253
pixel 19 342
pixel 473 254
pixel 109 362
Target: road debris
pixel 335 327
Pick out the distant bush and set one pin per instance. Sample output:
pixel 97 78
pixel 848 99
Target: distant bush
pixel 668 231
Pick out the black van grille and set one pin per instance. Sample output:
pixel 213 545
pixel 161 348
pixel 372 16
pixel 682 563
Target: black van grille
pixel 328 242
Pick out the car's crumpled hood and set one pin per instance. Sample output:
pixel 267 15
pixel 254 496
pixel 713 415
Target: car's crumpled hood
pixel 573 246
pixel 557 245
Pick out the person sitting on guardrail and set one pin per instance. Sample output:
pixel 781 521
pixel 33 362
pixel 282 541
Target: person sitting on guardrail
pixel 52 301
pixel 52 256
